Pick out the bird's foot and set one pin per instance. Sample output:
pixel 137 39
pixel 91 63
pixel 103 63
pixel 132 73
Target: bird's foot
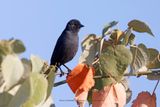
pixel 69 70
pixel 62 73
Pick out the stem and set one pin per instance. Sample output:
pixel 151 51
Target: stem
pixel 155 87
pixel 59 83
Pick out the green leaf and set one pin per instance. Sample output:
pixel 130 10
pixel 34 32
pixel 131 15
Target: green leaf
pixel 11 46
pixel 33 91
pixel 29 104
pixel 89 97
pixel 27 68
pixel 5 99
pixel 5 48
pixel 116 35
pixel 128 95
pixel 140 26
pixel 126 37
pixel 131 39
pixel 12 70
pixel 22 95
pixel 27 65
pixel 1 79
pixel 38 88
pixel 155 75
pixel 124 82
pixel 90 46
pixel 17 46
pixel 50 79
pixel 49 102
pixel 37 63
pixel 140 58
pixel 113 63
pixel 154 59
pixel 107 26
pixel 144 58
pixel 100 83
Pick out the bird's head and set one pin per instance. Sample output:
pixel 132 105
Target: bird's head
pixel 74 25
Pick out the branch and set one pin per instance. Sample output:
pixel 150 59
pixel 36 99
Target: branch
pixel 59 83
pixel 137 74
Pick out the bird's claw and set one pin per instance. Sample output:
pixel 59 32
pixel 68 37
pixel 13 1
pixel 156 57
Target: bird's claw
pixel 62 73
pixel 68 72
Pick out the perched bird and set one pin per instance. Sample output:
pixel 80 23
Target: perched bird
pixel 67 45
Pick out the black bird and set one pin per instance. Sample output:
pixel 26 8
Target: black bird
pixel 67 45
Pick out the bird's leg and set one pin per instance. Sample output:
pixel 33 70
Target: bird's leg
pixel 69 70
pixel 62 73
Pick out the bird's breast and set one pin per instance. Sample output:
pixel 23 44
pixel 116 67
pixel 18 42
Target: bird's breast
pixel 71 44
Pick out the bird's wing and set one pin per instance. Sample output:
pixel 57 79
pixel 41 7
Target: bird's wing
pixel 58 50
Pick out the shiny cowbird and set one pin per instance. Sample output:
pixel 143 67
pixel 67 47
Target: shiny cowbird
pixel 67 45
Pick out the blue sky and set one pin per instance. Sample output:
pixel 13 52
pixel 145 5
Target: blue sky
pixel 38 23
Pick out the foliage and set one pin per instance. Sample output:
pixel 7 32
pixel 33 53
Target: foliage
pixel 115 52
pixel 23 81
pixel 28 82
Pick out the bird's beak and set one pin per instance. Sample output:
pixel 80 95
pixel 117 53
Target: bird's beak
pixel 81 25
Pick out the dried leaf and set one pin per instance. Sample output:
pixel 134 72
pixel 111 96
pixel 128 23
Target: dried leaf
pixel 90 46
pixel 12 70
pixel 80 80
pixel 81 98
pixel 145 99
pixel 140 26
pixel 109 96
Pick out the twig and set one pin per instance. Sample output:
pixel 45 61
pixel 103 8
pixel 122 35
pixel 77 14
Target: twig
pixel 155 87
pixel 138 74
pixel 59 83
pixel 61 73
